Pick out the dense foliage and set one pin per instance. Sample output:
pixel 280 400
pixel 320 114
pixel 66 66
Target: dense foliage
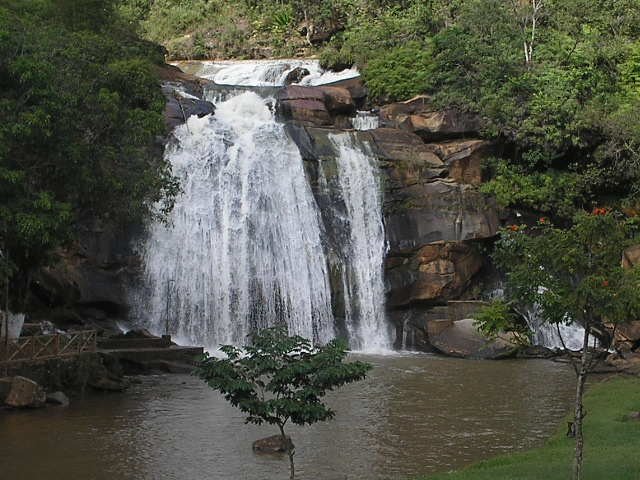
pixel 80 108
pixel 279 378
pixel 574 275
pixel 556 81
pixel 497 318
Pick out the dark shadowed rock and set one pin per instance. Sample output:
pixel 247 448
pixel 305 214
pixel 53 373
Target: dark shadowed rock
pixel 435 272
pixel 5 388
pixel 296 75
pixel 418 115
pixel 438 211
pixel 273 444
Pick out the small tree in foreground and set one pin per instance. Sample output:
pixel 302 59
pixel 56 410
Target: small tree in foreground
pixel 575 275
pixel 280 379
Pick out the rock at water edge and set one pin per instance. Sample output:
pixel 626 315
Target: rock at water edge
pixel 273 444
pixel 25 393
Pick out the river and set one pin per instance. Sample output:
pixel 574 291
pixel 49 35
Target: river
pixel 414 414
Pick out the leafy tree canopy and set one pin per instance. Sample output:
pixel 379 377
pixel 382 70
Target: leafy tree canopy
pixel 80 108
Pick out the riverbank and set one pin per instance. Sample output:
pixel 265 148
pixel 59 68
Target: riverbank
pixel 612 443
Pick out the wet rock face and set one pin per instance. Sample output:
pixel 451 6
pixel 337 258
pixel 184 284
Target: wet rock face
pixel 89 282
pixel 431 167
pixel 434 273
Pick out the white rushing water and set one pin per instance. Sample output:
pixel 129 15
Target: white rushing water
pixel 546 334
pixel 365 250
pixel 365 120
pixel 264 73
pixel 243 248
pixel 551 336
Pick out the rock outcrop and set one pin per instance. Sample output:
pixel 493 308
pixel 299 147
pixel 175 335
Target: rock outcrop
pixel 89 283
pixel 25 393
pixel 418 115
pixel 462 339
pixel 435 217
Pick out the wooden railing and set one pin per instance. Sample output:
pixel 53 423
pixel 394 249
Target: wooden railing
pixel 43 347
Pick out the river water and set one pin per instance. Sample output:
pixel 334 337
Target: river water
pixel 414 414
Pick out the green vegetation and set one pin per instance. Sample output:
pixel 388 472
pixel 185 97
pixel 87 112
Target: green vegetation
pixel 279 379
pixel 498 317
pixel 610 454
pixel 80 108
pixel 556 82
pixel 574 274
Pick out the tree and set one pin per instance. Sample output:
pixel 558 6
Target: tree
pixel 574 274
pixel 279 379
pixel 80 114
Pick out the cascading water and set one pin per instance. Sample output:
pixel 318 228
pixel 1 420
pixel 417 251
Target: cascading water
pixel 550 336
pixel 365 120
pixel 544 333
pixel 265 73
pixel 243 248
pixel 365 250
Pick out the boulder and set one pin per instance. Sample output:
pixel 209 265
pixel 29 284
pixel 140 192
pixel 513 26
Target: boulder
pixel 305 105
pixel 418 115
pixel 462 339
pixel 463 159
pixel 273 444
pixel 436 125
pixel 356 89
pixel 395 146
pixel 435 273
pixel 296 75
pixel 338 100
pixel 634 416
pixel 58 398
pixel 25 393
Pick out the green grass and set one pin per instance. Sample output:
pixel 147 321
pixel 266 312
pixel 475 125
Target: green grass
pixel 612 443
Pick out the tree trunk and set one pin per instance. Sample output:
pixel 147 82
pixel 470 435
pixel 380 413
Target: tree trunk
pixel 290 452
pixel 579 409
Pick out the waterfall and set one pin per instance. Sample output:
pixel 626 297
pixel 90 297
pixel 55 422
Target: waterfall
pixel 546 334
pixel 365 120
pixel 365 249
pixel 264 73
pixel 242 249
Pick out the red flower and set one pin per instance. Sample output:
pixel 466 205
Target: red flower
pixel 599 211
pixel 605 283
pixel 542 220
pixel 513 228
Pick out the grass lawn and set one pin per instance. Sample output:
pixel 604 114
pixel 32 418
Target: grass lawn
pixel 612 443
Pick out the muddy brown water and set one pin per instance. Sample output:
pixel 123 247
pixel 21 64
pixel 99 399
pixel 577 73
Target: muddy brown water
pixel 415 414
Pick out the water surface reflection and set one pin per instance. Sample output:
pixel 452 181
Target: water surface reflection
pixel 414 414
